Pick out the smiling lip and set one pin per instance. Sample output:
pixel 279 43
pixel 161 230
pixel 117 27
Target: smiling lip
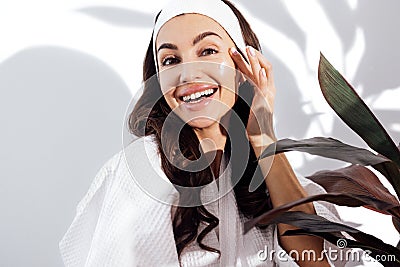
pixel 194 88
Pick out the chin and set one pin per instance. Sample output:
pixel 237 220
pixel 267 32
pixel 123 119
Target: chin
pixel 201 123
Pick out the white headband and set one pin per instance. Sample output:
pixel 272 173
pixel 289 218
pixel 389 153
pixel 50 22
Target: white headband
pixel 214 9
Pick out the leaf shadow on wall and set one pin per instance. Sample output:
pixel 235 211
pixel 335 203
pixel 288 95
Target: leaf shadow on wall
pixel 61 115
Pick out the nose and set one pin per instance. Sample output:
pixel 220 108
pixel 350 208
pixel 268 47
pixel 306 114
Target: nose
pixel 190 72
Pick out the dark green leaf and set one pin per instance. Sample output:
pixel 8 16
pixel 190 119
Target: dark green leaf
pixel 396 223
pixel 375 242
pixel 390 170
pixel 336 198
pixel 378 248
pixel 311 222
pixel 344 100
pixel 334 149
pixel 317 224
pixel 326 147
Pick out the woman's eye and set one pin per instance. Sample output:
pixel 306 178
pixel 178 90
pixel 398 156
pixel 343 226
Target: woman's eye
pixel 208 51
pixel 169 61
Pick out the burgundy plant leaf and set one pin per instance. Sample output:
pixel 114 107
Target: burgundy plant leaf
pixel 358 180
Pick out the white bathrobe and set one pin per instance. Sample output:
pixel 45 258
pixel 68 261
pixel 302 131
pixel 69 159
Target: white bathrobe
pixel 118 224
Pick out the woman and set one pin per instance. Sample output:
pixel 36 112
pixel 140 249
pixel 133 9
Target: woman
pixel 204 117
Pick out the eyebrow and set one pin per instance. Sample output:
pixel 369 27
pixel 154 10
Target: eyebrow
pixel 203 35
pixel 197 39
pixel 167 46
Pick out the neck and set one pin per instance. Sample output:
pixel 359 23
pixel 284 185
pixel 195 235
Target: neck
pixel 214 136
pixel 211 138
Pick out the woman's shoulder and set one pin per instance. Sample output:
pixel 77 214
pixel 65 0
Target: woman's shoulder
pixel 137 167
pixel 118 168
pixel 140 149
pixel 143 162
pixel 135 148
pixel 117 214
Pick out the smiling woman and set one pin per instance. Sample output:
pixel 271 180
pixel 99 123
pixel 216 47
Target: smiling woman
pixel 204 117
pixel 189 87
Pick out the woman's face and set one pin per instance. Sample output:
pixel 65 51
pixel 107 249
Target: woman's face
pixel 196 72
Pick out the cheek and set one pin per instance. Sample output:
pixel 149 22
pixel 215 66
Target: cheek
pixel 168 83
pixel 170 99
pixel 168 80
pixel 227 76
pixel 228 97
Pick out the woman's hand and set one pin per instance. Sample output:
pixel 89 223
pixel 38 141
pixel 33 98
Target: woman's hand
pixel 279 175
pixel 260 124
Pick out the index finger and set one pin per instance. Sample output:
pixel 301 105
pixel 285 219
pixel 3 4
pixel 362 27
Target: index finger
pixel 242 65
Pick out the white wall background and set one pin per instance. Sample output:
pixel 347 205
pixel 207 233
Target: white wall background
pixel 69 68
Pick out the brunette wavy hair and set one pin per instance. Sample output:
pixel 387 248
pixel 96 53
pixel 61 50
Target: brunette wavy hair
pixel 147 118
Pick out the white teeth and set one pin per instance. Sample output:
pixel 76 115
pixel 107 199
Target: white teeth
pixel 197 95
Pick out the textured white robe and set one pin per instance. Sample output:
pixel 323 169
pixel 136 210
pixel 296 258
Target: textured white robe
pixel 118 224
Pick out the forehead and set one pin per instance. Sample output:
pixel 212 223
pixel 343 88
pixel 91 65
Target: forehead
pixel 187 26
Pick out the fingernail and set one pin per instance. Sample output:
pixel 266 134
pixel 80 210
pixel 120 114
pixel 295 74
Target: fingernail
pixel 251 50
pixel 234 51
pixel 263 73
